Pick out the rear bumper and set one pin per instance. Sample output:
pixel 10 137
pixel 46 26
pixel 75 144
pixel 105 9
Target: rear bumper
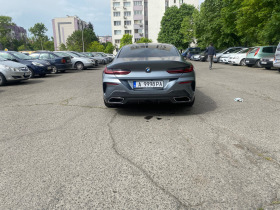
pixel 250 61
pixel 267 64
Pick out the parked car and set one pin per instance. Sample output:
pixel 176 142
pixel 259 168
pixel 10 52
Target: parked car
pixel 255 55
pixel 195 57
pixel 191 51
pixel 223 52
pixel 35 66
pixel 100 60
pixel 94 60
pixel 107 59
pixel 276 62
pixel 225 58
pixel 59 63
pixel 239 57
pixel 110 58
pixel 267 62
pixel 203 56
pixel 103 60
pixel 149 73
pixel 12 71
pixel 78 62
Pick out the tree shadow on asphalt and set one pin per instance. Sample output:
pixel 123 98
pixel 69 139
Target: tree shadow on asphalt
pixel 203 104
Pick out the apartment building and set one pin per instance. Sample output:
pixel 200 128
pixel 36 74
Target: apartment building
pixel 140 18
pixel 64 27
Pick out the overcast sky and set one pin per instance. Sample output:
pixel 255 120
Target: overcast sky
pixel 26 13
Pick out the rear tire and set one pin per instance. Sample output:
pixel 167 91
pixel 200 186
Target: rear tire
pixel 242 62
pixel 258 64
pixel 2 80
pixel 79 66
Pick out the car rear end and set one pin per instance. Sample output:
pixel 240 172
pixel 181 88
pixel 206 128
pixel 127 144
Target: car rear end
pixel 148 79
pixel 62 62
pixel 255 55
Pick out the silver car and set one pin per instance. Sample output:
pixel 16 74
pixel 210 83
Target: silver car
pixel 149 73
pixel 78 61
pixel 12 71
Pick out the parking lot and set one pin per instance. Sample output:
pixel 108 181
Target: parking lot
pixel 61 148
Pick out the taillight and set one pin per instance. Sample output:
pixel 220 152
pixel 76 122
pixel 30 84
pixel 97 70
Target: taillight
pixel 63 60
pixel 181 70
pixel 116 71
pixel 257 51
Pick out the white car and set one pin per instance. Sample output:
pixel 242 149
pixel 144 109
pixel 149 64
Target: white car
pixel 276 61
pixel 239 57
pixel 225 58
pixel 12 71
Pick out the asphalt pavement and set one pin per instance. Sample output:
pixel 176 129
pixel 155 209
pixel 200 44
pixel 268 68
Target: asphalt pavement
pixel 61 148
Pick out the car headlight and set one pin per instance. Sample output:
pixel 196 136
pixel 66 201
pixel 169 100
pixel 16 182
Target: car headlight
pixel 271 59
pixel 37 64
pixel 48 63
pixel 10 68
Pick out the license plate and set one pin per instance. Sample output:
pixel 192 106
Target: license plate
pixel 147 84
pixel 49 68
pixel 263 62
pixel 247 61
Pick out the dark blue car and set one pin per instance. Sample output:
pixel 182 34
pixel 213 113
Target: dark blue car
pixel 58 62
pixel 35 66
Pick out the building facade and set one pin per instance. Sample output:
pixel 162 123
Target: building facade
pixel 105 39
pixel 64 27
pixel 140 18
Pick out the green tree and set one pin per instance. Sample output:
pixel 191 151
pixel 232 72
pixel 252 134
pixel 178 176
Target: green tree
pixel 144 40
pixel 96 47
pixel 75 43
pixel 125 40
pixel 62 47
pixel 38 31
pixel 109 48
pixel 171 24
pixel 5 22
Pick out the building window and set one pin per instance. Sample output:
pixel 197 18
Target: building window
pixel 117 23
pixel 138 12
pixel 181 1
pixel 127 14
pixel 138 3
pixel 137 22
pixel 127 22
pixel 116 4
pixel 138 31
pixel 117 32
pixel 127 31
pixel 126 4
pixel 117 41
pixel 174 1
pixel 117 14
pixel 137 39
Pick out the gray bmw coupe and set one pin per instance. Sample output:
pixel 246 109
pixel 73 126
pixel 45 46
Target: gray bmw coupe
pixel 148 73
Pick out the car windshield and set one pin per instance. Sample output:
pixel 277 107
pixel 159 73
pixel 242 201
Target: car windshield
pixel 75 54
pixel 22 56
pixel 71 54
pixel 154 50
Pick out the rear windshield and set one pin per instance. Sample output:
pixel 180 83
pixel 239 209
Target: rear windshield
pixel 136 51
pixel 271 49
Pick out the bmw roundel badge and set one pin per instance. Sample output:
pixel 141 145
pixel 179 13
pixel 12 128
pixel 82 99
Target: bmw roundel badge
pixel 148 70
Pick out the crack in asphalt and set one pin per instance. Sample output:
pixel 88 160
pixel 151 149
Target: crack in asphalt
pixel 250 148
pixel 143 171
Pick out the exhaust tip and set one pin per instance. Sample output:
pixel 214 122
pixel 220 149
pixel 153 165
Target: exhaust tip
pixel 116 100
pixel 182 99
